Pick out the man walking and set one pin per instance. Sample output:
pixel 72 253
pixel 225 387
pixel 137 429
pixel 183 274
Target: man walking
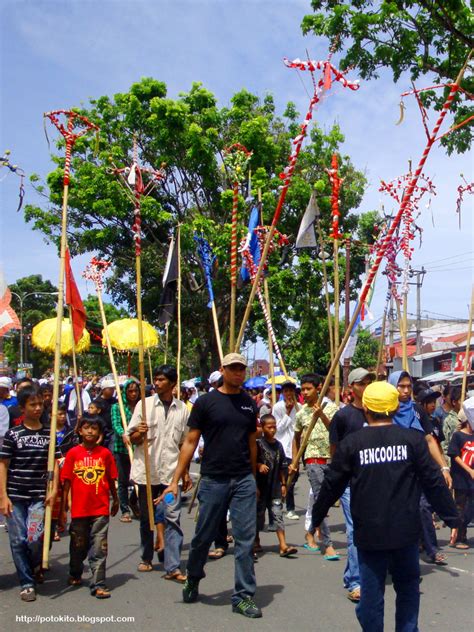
pixel 166 419
pixel 227 419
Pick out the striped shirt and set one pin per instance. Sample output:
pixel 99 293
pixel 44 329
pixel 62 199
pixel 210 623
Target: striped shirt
pixel 27 453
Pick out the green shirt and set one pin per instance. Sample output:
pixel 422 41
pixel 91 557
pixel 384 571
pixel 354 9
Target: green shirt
pixel 117 427
pixel 450 424
pixel 318 444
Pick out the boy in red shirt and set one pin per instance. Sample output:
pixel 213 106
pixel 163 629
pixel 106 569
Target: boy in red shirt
pixel 90 473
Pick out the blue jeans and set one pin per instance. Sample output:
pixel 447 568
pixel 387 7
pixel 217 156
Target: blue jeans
pixel 25 531
pixel 215 495
pixel 351 572
pixel 430 541
pixel 173 531
pixel 405 569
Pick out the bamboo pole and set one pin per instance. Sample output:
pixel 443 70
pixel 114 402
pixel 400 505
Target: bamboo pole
pixel 233 263
pixel 178 354
pixel 405 333
pixel 167 329
pixel 150 366
pixel 123 416
pixel 467 364
pixel 216 331
pixel 57 357
pixel 270 342
pixel 337 373
pixel 326 286
pixel 382 341
pixel 141 370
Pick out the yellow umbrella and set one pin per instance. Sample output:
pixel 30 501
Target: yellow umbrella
pixel 43 337
pixel 280 379
pixel 123 335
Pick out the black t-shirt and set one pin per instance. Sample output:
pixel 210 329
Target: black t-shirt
pixel 27 452
pixel 424 419
pixel 462 445
pixel 346 420
pixel 272 455
pixel 388 467
pixel 225 421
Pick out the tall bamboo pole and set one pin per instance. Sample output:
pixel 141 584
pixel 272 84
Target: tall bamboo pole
pixel 70 137
pixel 337 373
pixel 178 354
pixel 270 342
pixel 74 367
pixel 467 363
pixel 382 341
pixel 217 332
pixel 405 333
pixel 233 263
pixel 326 286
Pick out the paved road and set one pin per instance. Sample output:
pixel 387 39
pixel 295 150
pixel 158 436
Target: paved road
pixel 299 594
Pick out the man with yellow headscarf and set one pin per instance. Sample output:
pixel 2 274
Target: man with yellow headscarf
pixel 388 466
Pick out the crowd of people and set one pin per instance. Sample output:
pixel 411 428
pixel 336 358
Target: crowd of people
pixel 397 456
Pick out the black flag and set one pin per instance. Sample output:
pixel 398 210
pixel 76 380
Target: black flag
pixel 170 286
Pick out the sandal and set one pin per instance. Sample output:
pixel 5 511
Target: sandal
pixel 126 518
pixel 217 554
pixel 176 576
pixel 101 593
pixel 461 545
pixel 57 537
pixel 309 547
pixel 354 595
pixel 74 581
pixel 144 567
pixel 290 550
pixel 439 559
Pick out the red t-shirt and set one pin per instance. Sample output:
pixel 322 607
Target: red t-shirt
pixel 91 472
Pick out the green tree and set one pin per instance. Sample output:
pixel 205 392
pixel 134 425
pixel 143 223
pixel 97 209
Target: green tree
pixel 427 37
pixel 366 351
pixel 34 300
pixel 187 137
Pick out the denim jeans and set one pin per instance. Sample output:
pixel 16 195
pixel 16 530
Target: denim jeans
pixel 215 495
pixel 315 473
pixel 89 539
pixel 405 569
pixel 123 466
pixel 25 532
pixel 173 531
pixel 430 541
pixel 351 572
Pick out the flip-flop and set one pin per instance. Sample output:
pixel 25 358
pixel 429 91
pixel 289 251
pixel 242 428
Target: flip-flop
pixel 291 550
pixel 462 546
pixel 311 548
pixel 216 554
pixel 126 518
pixel 74 581
pixel 144 567
pixel 332 558
pixel 177 577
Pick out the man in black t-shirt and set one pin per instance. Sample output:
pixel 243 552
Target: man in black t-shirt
pixel 347 420
pixel 227 420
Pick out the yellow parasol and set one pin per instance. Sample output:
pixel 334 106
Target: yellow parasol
pixel 123 334
pixel 43 337
pixel 280 379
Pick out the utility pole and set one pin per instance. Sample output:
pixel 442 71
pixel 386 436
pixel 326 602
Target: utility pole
pixel 347 314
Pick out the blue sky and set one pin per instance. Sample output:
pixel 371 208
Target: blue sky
pixel 56 55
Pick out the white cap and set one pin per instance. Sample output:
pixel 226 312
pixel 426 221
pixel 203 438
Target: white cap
pixel 5 382
pixel 107 382
pixel 215 377
pixel 187 384
pixel 468 408
pixel 42 381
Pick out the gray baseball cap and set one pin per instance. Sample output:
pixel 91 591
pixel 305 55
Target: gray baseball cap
pixel 357 375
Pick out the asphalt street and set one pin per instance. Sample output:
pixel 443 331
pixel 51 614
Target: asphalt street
pixel 304 593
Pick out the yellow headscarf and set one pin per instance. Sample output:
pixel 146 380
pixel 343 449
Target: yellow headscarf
pixel 380 397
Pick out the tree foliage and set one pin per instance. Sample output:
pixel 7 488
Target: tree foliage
pixel 427 37
pixel 187 137
pixel 366 351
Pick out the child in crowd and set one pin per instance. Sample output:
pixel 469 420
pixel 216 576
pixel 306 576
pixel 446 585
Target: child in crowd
pixel 96 407
pixel 90 473
pixel 271 483
pixel 461 451
pixel 65 440
pixel 23 482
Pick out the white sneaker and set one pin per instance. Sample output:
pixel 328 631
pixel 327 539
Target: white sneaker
pixel 292 516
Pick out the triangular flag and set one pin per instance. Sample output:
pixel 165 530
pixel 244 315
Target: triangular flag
pixel 73 299
pixel 170 286
pixel 306 237
pixel 8 318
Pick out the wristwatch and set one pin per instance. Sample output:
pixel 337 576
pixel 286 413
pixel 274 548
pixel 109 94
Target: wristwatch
pixel 445 468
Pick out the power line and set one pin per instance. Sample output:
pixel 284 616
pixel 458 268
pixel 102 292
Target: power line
pixel 460 254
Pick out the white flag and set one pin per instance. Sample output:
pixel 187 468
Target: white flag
pixel 306 237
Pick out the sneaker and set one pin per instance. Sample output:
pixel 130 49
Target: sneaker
pixel 291 515
pixel 28 594
pixel 248 608
pixel 190 590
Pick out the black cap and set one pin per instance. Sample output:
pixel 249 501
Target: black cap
pixel 427 395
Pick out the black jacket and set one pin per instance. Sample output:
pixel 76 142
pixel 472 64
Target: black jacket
pixel 388 467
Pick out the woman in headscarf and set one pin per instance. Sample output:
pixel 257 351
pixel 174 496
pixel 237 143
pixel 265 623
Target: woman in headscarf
pixel 412 416
pixel 131 396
